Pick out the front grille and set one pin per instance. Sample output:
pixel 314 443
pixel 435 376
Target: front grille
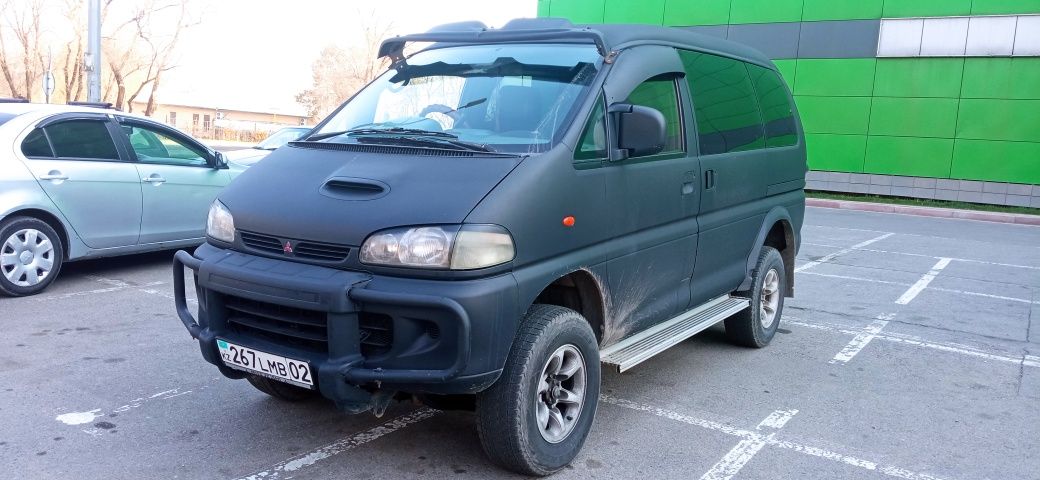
pixel 306 250
pixel 377 333
pixel 289 326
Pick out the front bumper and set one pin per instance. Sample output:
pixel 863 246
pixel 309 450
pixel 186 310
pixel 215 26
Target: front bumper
pixel 437 336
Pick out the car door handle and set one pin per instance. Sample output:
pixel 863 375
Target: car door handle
pixel 54 175
pixel 153 178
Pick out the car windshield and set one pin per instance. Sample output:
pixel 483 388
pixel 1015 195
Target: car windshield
pixel 505 98
pixel 281 137
pixel 4 117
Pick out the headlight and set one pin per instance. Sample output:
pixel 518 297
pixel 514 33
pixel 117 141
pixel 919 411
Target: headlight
pixel 220 224
pixel 457 248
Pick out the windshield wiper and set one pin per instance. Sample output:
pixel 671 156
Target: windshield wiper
pixel 435 141
pixel 379 131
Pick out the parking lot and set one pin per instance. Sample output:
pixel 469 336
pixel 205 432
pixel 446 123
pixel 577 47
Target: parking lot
pixel 908 352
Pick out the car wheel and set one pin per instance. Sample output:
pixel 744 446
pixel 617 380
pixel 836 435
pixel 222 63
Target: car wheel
pixel 31 256
pixel 535 418
pixel 755 326
pixel 281 390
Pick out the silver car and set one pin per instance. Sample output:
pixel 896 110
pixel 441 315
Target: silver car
pixel 79 182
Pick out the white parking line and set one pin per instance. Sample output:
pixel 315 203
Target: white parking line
pixel 862 339
pixel 769 440
pixel 832 256
pixel 122 285
pixel 915 289
pixel 938 289
pixel 49 298
pixel 80 418
pixel 1024 360
pixel 741 454
pixel 342 445
pixel 957 259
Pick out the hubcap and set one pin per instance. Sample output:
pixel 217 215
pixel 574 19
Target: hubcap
pixel 769 300
pixel 27 257
pixel 561 393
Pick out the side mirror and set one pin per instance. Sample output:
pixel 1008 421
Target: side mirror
pixel 640 130
pixel 219 161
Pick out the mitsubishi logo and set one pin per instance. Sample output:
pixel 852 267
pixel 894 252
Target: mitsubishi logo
pixel 287 249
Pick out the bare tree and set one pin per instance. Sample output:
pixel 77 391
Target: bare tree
pixel 339 72
pixel 23 64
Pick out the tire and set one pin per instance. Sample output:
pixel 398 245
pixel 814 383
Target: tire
pixel 509 412
pixel 281 390
pixel 754 327
pixel 31 256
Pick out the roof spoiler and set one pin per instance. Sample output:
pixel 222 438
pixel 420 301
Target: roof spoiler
pixel 476 32
pixel 105 105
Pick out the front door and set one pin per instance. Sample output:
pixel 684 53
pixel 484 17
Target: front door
pixel 77 163
pixel 652 198
pixel 178 182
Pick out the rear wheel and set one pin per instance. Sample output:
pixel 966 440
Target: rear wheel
pixel 30 256
pixel 755 326
pixel 535 418
pixel 281 390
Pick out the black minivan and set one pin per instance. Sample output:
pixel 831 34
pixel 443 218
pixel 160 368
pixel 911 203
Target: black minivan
pixel 498 214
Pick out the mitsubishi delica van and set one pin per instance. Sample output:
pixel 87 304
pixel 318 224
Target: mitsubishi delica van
pixel 499 214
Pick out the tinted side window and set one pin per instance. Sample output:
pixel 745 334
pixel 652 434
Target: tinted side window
pixel 35 145
pixel 155 146
pixel 776 107
pixel 82 139
pixel 724 102
pixel 593 144
pixel 660 93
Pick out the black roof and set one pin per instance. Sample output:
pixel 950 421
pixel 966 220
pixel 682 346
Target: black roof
pixel 606 37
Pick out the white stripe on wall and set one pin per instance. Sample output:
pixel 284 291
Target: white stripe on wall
pixel 974 36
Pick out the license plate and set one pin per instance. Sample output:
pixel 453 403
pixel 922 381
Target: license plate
pixel 277 367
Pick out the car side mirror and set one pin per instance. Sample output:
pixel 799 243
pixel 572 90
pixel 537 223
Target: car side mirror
pixel 640 130
pixel 219 161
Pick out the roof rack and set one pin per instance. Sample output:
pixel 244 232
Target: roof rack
pixel 14 100
pixel 472 33
pixel 105 105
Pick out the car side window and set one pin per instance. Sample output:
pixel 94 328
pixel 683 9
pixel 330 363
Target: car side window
pixel 777 113
pixel 661 93
pixel 86 139
pixel 593 145
pixel 724 102
pixel 151 145
pixel 36 145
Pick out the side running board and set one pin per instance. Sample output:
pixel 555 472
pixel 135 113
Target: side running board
pixel 635 349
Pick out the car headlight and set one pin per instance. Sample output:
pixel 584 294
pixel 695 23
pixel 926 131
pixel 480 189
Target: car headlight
pixel 467 247
pixel 220 224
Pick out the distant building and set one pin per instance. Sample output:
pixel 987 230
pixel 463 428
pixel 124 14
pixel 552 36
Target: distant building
pixel 207 121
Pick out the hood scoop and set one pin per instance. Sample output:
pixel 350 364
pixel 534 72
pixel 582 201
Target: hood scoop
pixel 354 189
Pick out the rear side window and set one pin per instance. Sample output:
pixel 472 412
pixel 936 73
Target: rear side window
pixel 724 102
pixel 777 113
pixel 35 145
pixel 660 93
pixel 82 139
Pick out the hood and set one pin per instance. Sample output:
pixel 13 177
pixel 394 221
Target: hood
pixel 341 197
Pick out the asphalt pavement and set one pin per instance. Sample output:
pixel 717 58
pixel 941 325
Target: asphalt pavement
pixel 909 351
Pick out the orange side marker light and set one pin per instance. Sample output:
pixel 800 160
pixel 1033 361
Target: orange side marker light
pixel 568 221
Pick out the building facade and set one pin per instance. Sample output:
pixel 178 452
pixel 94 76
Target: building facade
pixel 917 98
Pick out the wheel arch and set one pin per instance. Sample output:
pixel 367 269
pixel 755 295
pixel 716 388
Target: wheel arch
pixel 581 291
pixel 777 232
pixel 50 219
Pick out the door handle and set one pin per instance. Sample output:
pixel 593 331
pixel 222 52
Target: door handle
pixel 153 178
pixel 54 175
pixel 709 179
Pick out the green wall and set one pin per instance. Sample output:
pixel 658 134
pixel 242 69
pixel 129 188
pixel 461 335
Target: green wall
pixel 960 118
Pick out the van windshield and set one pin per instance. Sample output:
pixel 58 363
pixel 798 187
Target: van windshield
pixel 505 98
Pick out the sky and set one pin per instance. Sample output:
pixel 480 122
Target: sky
pixel 257 53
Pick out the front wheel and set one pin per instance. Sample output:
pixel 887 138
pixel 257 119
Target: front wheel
pixel 755 326
pixel 535 418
